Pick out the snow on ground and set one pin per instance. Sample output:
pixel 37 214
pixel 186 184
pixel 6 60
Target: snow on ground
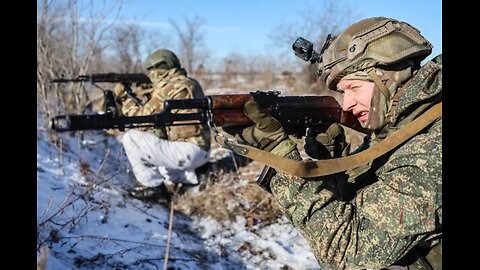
pixel 87 222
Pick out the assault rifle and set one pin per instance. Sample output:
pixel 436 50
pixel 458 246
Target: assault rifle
pixel 297 114
pixel 124 78
pixel 108 77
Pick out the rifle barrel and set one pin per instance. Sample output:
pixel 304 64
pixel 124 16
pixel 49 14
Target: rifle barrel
pixel 295 113
pixel 107 77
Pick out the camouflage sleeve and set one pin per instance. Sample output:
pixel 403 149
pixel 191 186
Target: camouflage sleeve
pixel 153 105
pixel 169 90
pixel 384 219
pixel 183 89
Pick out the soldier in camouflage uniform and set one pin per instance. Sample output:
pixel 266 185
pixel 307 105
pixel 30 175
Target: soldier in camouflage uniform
pixel 170 154
pixel 388 213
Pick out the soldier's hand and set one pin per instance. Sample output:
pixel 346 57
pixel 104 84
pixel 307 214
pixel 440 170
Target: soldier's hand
pixel 267 133
pixel 118 89
pixel 330 144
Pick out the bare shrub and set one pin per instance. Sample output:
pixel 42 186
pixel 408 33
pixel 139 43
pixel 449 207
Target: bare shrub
pixel 232 194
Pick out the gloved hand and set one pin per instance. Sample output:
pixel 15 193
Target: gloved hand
pixel 118 89
pixel 267 133
pixel 327 145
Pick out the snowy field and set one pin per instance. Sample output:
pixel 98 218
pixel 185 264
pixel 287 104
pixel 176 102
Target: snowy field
pixel 86 221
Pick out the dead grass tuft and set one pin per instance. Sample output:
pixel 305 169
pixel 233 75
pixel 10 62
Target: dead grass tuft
pixel 232 194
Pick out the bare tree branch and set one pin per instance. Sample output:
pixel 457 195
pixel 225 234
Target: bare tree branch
pixel 191 41
pixel 126 43
pixel 315 25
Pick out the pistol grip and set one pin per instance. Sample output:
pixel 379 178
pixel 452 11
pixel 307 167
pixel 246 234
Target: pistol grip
pixel 263 179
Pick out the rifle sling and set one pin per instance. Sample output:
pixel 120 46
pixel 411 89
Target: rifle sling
pixel 307 169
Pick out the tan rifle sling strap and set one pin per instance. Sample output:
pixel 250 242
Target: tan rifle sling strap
pixel 310 168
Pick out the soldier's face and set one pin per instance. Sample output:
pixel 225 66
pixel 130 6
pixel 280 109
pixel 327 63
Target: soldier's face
pixel 357 97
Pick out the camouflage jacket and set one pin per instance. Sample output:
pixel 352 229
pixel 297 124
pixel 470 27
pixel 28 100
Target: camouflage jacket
pixel 396 201
pixel 173 84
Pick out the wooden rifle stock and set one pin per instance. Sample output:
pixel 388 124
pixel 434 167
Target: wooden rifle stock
pixel 295 113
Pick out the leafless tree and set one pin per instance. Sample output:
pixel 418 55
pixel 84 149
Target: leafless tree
pixel 70 34
pixel 154 40
pixel 126 43
pixel 314 24
pixel 192 51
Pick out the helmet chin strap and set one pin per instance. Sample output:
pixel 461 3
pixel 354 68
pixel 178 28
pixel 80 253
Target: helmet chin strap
pixel 378 82
pixel 395 80
pixel 378 104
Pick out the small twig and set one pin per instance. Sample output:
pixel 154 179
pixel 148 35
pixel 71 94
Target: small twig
pixel 194 255
pixel 44 212
pixel 61 207
pixel 69 201
pixel 60 156
pixel 234 162
pixel 142 210
pixel 170 225
pixel 103 161
pixel 258 204
pixel 79 145
pixel 111 239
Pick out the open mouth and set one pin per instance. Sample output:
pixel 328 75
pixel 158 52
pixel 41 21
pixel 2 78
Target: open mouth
pixel 362 116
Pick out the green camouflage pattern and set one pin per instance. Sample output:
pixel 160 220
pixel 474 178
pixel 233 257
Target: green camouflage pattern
pixel 371 42
pixel 400 208
pixel 166 57
pixel 171 84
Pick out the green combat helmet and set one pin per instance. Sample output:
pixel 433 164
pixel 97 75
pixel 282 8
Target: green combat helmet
pixel 378 49
pixel 162 59
pixel 368 43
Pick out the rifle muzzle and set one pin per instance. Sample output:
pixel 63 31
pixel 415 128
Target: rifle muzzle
pixel 60 123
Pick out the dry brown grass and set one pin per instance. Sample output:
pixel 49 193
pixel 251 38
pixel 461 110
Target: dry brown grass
pixel 231 194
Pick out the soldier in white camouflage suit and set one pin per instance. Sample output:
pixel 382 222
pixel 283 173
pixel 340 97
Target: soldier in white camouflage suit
pixel 387 214
pixel 170 154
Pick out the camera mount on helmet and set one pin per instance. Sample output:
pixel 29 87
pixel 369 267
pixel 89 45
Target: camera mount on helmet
pixel 304 49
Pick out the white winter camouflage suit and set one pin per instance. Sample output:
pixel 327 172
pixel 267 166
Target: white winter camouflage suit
pixel 171 153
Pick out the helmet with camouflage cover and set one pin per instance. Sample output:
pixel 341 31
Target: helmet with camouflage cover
pixel 163 59
pixel 376 41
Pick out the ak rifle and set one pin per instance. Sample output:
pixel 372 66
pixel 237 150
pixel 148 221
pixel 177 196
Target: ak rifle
pixel 296 114
pixel 127 79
